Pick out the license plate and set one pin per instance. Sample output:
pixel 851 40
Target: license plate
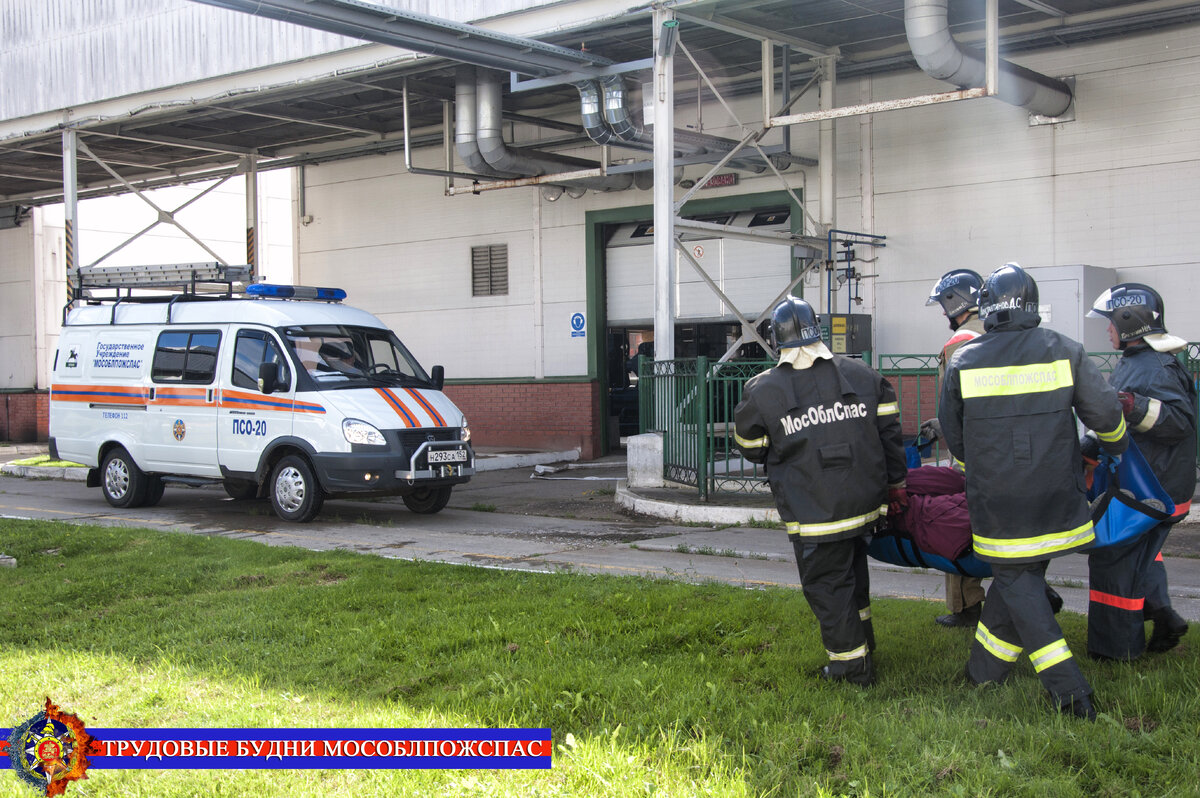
pixel 447 455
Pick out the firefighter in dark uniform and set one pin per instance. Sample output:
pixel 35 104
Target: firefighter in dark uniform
pixel 1006 413
pixel 958 294
pixel 1128 584
pixel 828 429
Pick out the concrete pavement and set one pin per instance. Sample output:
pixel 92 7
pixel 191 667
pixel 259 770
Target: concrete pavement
pixel 745 555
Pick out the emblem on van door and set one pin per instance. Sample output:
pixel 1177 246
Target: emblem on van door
pixel 72 358
pixel 179 430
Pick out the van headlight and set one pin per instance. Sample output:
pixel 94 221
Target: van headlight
pixel 464 432
pixel 361 432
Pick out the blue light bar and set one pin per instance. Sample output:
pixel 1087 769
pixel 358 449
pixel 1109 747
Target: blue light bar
pixel 295 292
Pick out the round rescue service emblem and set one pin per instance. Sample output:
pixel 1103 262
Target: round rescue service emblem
pixel 179 430
pixel 49 750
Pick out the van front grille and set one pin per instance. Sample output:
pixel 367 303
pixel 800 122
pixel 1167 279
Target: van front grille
pixel 410 439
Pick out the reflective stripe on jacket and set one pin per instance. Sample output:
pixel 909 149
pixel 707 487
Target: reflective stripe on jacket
pixel 1007 410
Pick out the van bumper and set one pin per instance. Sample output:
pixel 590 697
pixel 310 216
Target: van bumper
pixel 386 473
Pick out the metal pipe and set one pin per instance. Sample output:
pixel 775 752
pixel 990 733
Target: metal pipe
pixel 591 111
pixel 940 56
pixel 408 164
pixel 500 157
pixel 466 124
pixel 664 213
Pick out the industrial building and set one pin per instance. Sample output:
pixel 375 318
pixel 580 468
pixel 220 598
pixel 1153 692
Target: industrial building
pixel 489 178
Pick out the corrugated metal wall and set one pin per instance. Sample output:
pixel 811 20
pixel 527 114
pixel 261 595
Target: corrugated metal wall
pixel 63 53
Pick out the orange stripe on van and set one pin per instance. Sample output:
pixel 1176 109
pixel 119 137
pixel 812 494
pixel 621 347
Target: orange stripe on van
pixel 438 421
pixel 258 401
pixel 99 394
pixel 181 397
pixel 399 406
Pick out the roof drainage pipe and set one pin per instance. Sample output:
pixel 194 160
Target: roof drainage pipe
pixel 940 56
pixel 499 157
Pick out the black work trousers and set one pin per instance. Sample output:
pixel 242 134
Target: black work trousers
pixel 837 585
pixel 1017 618
pixel 1128 586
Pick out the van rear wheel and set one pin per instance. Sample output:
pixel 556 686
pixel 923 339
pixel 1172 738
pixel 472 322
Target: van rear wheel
pixel 427 501
pixel 295 494
pixel 123 483
pixel 154 491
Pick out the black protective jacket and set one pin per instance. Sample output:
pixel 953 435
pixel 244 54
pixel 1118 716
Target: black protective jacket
pixel 1163 421
pixel 1006 412
pixel 830 437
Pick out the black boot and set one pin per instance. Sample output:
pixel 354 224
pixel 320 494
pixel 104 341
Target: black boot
pixel 1056 601
pixel 967 617
pixel 863 676
pixel 1079 707
pixel 1169 629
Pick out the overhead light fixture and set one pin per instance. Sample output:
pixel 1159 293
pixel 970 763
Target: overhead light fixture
pixel 668 37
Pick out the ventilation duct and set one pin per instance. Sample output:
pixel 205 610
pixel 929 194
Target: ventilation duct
pixel 591 113
pixel 490 139
pixel 466 126
pixel 631 134
pixel 940 56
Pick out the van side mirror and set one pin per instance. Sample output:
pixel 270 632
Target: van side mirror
pixel 438 376
pixel 268 377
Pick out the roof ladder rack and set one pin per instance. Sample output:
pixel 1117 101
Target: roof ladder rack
pixel 163 275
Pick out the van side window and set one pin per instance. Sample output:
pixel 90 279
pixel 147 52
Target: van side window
pixel 186 356
pixel 252 349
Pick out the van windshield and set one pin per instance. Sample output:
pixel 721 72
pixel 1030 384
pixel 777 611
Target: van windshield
pixel 342 357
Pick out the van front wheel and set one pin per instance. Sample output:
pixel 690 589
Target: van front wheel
pixel 427 501
pixel 295 494
pixel 123 483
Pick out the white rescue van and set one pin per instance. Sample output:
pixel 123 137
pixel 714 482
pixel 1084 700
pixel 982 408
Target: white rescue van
pixel 284 393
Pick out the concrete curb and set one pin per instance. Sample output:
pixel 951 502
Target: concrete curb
pixel 74 474
pixel 690 513
pixel 524 460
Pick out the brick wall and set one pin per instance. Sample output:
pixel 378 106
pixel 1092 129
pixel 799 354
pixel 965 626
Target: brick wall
pixel 24 417
pixel 918 395
pixel 538 415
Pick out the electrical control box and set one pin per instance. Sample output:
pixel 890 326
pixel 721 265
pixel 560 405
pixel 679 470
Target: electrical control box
pixel 846 333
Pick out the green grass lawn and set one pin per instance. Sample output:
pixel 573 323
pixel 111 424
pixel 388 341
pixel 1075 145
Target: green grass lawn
pixel 46 461
pixel 650 687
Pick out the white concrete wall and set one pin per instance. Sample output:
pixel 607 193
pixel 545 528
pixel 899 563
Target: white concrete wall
pixel 17 363
pixel 967 184
pixel 33 264
pixel 971 184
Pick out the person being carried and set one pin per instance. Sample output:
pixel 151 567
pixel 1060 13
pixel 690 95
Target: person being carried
pixel 828 430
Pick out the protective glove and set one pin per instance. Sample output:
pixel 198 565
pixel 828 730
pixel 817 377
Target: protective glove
pixel 930 430
pixel 1126 400
pixel 897 500
pixel 1089 446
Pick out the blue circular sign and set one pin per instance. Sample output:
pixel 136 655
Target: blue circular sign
pixel 577 322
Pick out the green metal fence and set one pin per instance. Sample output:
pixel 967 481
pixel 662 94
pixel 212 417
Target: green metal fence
pixel 691 402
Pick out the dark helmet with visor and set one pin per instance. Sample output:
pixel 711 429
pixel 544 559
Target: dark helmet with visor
pixel 1135 310
pixel 1008 294
pixel 794 323
pixel 957 292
